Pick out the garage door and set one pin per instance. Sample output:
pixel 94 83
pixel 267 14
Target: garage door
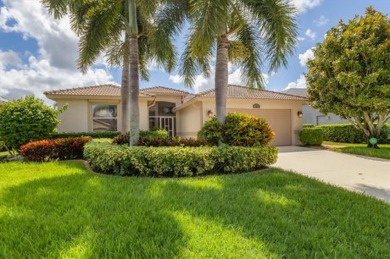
pixel 279 120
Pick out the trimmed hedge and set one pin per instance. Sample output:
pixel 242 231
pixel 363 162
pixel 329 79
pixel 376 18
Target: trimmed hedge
pixel 308 126
pixel 106 134
pixel 311 136
pixel 148 134
pixel 349 134
pixel 54 149
pixel 176 161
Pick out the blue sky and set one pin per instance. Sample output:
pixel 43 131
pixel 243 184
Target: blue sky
pixel 38 53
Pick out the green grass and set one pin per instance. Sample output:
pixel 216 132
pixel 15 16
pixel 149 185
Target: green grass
pixel 360 149
pixel 59 210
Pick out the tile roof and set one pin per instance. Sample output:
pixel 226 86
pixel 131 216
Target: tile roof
pixel 98 90
pixel 236 91
pixel 163 90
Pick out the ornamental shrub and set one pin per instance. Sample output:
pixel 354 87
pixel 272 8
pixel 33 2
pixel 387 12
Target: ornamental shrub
pixel 105 134
pixel 25 120
pixel 347 133
pixel 311 136
pixel 54 149
pixel 308 126
pixel 176 161
pixel 238 130
pixel 149 134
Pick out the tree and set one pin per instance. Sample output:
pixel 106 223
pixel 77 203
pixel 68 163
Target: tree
pixel 25 120
pixel 349 74
pixel 101 26
pixel 244 32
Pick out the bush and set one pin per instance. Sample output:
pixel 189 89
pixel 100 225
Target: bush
pixel 307 126
pixel 311 136
pixel 53 149
pixel 106 134
pixel 25 120
pixel 349 134
pixel 176 161
pixel 170 142
pixel 238 130
pixel 149 134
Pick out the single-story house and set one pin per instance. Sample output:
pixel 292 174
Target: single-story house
pixel 314 116
pixel 97 108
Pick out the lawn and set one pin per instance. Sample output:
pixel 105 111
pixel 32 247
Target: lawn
pixel 61 210
pixel 360 149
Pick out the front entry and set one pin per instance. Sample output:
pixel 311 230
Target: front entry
pixel 162 117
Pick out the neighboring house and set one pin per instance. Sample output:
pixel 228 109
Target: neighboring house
pixel 97 108
pixel 313 116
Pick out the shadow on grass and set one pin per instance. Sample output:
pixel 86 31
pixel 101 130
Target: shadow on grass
pixel 271 214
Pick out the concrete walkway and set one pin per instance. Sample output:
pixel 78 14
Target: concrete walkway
pixel 356 173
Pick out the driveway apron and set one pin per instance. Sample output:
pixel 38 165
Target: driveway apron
pixel 366 175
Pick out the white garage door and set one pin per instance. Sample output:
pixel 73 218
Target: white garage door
pixel 279 120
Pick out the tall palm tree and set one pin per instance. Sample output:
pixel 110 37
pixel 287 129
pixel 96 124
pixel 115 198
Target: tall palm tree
pixel 126 32
pixel 243 32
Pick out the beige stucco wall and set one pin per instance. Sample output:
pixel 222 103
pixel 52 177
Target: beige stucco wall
pixel 189 127
pixel 189 120
pixel 75 117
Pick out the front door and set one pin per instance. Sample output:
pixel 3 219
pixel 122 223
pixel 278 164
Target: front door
pixel 167 123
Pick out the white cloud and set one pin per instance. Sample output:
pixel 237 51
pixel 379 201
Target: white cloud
pixel 177 79
pixel 311 34
pixel 300 38
pixel 304 5
pixel 321 21
pixel 300 83
pixel 303 58
pixel 55 64
pixel 9 58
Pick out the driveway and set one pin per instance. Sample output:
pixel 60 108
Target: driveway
pixel 356 173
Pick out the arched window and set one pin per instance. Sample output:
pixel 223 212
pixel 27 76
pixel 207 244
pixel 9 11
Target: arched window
pixel 256 106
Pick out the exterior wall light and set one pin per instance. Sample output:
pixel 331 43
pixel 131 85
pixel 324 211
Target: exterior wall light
pixel 300 114
pixel 210 114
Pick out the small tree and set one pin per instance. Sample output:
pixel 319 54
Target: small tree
pixel 349 74
pixel 27 119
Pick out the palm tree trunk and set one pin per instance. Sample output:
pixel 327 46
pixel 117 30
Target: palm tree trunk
pixel 125 91
pixel 134 73
pixel 134 91
pixel 221 78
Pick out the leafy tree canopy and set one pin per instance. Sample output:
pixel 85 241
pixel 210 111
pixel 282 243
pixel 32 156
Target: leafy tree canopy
pixel 350 73
pixel 27 119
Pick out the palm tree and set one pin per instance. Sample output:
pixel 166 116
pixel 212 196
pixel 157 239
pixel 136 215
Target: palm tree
pixel 125 31
pixel 244 32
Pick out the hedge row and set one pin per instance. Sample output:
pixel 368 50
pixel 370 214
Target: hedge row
pixel 54 149
pixel 176 161
pixel 349 134
pixel 311 136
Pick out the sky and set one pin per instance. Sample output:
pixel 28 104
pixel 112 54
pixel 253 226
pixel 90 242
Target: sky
pixel 39 53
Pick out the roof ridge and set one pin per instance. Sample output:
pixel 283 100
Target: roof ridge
pixel 165 87
pixel 82 87
pixel 285 93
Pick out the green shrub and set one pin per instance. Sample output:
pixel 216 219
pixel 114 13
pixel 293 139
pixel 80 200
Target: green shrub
pixel 176 161
pixel 53 149
pixel 25 120
pixel 238 130
pixel 311 136
pixel 144 134
pixel 308 126
pixel 106 134
pixel 347 133
pixel 170 142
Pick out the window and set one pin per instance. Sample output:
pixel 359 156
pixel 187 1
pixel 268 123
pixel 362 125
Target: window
pixel 104 117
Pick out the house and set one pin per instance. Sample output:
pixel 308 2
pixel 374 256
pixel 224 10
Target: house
pixel 97 108
pixel 313 116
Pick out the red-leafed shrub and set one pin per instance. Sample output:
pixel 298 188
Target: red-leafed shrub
pixel 54 149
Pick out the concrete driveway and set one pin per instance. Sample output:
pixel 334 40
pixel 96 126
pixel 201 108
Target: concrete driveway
pixel 356 173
